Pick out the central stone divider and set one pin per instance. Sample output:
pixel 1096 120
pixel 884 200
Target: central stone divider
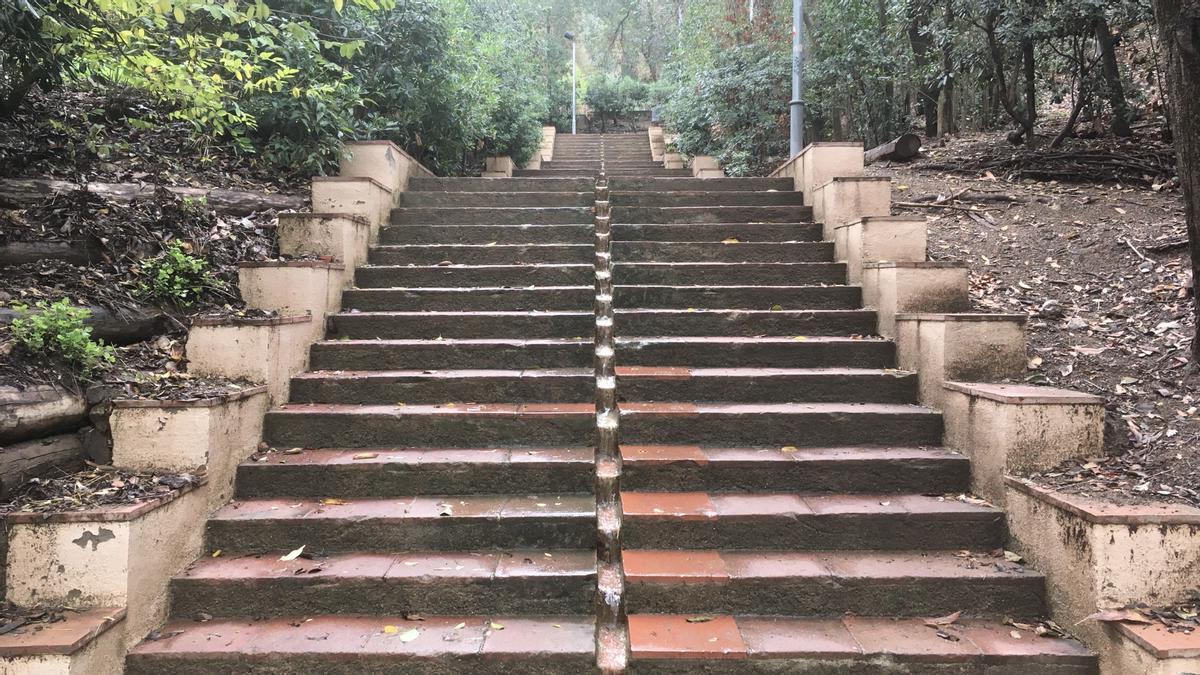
pixel 612 636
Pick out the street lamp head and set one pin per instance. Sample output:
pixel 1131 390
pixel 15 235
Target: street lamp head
pixel 569 35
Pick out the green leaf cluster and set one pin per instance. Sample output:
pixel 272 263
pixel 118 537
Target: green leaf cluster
pixel 176 277
pixel 292 80
pixel 58 330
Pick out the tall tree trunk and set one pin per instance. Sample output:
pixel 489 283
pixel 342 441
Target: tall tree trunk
pixel 887 124
pixel 1005 93
pixel 1179 31
pixel 1030 66
pixel 1112 78
pixel 945 116
pixel 921 43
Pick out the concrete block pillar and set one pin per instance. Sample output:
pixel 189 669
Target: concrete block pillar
pixel 960 347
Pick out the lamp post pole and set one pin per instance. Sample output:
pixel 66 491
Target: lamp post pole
pixel 797 103
pixel 571 36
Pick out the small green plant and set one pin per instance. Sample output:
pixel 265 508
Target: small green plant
pixel 57 330
pixel 176 277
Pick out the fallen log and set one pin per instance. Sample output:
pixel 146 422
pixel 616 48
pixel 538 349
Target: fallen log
pixel 902 149
pixel 124 328
pixel 30 459
pixel 38 411
pixel 19 193
pixel 76 252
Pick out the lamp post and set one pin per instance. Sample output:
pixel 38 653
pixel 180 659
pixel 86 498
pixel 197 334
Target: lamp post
pixel 571 38
pixel 797 103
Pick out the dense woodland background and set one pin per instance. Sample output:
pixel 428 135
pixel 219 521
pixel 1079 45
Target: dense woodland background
pixel 286 81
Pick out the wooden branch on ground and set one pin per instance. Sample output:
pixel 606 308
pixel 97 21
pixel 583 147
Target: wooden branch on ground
pixel 29 459
pixel 39 411
pixel 935 205
pixel 122 328
pixel 901 149
pixel 77 252
pixel 22 193
pixel 1165 247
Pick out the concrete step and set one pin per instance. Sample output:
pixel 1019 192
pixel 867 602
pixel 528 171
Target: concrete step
pixel 663 173
pixel 862 645
pixel 470 582
pixel 755 352
pixel 724 273
pixel 429 325
pixel 535 184
pixel 328 425
pixel 345 645
pixel 748 323
pixel 552 298
pixel 397 472
pixel 581 233
pixel 689 251
pixel 609 162
pixel 433 523
pixel 482 254
pixel 451 354
pixel 830 584
pixel 506 199
pixel 572 385
pixel 557 173
pixel 846 470
pixel 766 385
pixel 778 424
pixel 431 387
pixel 480 215
pixel 563 324
pixel 513 276
pixel 739 297
pixel 584 173
pixel 798 522
pixel 709 198
pixel 546 298
pixel 710 214
pixel 717 232
pixel 657 184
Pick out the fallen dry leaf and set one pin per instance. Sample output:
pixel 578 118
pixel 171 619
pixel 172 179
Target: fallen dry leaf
pixel 293 555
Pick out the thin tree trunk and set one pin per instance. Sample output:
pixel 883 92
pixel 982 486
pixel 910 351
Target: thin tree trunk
pixel 1179 31
pixel 1112 79
pixel 1030 67
pixel 921 44
pixel 889 86
pixel 1006 97
pixel 945 115
pixel 1069 128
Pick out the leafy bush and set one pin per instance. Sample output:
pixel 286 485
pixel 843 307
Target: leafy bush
pixel 447 80
pixel 176 277
pixel 57 330
pixel 734 110
pixel 610 97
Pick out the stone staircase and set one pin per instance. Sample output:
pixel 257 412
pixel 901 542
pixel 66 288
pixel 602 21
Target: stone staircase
pixel 787 505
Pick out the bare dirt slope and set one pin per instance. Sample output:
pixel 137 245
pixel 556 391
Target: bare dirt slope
pixel 1099 270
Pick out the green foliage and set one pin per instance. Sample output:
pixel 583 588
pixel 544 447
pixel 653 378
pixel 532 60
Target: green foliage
pixel 609 97
pixel 176 277
pixel 447 80
pixel 58 330
pixel 732 109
